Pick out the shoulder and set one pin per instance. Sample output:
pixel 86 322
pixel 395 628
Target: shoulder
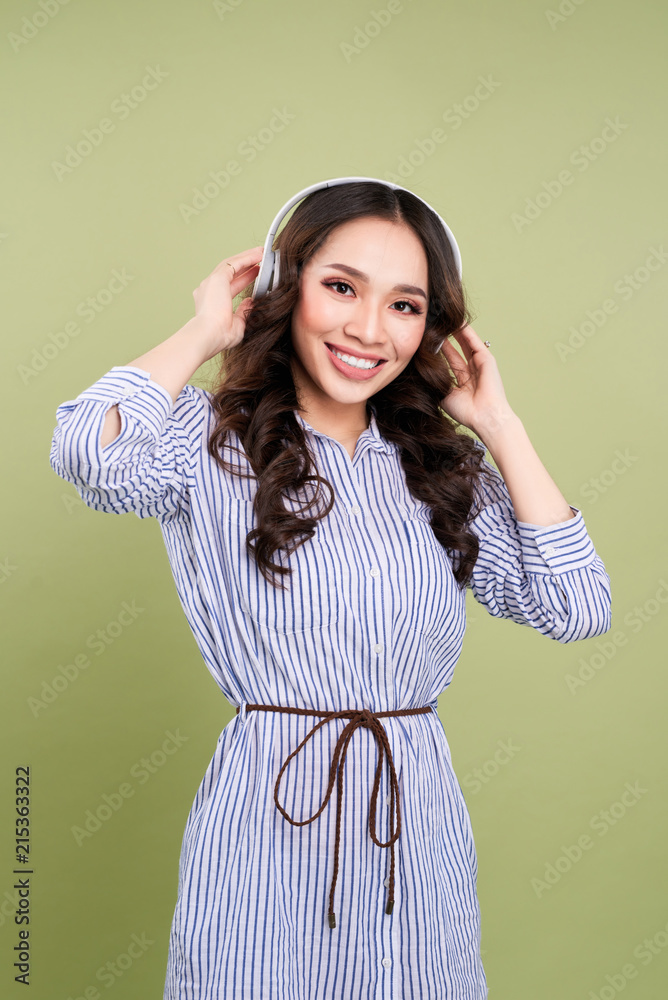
pixel 193 399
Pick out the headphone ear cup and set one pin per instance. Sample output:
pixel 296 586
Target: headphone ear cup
pixel 276 273
pixel 263 281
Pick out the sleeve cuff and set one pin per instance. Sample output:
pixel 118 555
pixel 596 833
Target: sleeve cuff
pixel 556 548
pixel 136 393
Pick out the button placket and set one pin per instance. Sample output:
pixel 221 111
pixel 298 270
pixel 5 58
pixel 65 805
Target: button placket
pixel 374 571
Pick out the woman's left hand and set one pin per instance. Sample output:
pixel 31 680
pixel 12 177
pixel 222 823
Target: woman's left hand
pixel 478 400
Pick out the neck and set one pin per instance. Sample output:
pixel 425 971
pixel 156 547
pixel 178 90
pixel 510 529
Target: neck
pixel 337 424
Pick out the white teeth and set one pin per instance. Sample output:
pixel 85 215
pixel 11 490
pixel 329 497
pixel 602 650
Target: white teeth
pixel 355 362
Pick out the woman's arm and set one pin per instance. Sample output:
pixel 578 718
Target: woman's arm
pixel 130 441
pixel 535 496
pixel 537 564
pixel 549 577
pixel 171 364
pixel 214 327
pixel 479 402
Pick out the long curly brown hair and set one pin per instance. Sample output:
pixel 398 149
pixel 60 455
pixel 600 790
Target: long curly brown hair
pixel 255 394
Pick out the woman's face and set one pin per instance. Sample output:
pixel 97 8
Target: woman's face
pixel 365 294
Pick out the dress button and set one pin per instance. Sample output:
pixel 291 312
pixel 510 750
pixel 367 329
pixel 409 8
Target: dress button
pixel 551 551
pixel 355 509
pixel 387 962
pixel 388 800
pixel 375 571
pixel 127 390
pixel 387 882
pixel 378 648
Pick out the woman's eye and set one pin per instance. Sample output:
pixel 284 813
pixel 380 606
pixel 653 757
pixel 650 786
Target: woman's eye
pixel 344 284
pixel 410 305
pixel 337 284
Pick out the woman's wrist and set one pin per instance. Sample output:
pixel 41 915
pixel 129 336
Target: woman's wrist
pixel 496 425
pixel 535 496
pixel 173 362
pixel 201 333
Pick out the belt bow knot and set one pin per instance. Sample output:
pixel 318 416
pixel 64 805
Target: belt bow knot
pixel 357 718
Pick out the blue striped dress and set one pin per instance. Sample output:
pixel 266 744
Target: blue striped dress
pixel 371 619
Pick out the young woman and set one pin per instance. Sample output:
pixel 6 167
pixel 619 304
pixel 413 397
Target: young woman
pixel 324 514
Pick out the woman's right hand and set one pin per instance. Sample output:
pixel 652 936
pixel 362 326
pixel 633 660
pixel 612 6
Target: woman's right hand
pixel 214 295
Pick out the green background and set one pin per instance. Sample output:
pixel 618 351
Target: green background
pixel 364 103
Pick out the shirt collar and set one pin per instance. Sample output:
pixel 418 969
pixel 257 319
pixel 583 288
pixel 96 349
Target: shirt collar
pixel 371 434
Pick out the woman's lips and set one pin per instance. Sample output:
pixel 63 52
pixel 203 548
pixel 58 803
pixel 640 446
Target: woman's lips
pixel 357 374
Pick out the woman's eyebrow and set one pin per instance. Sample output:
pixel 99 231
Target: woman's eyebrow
pixel 354 273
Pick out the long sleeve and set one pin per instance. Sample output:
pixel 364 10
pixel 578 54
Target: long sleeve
pixel 148 468
pixel 549 578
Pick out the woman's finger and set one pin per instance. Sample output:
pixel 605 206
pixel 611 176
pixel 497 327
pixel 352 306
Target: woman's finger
pixel 463 338
pixel 241 277
pixel 458 364
pixel 452 352
pixel 242 261
pixel 470 341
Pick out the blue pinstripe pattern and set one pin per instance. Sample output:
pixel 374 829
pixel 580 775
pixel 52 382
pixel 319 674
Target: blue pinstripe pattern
pixel 372 618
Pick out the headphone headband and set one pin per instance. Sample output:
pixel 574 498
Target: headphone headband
pixel 268 275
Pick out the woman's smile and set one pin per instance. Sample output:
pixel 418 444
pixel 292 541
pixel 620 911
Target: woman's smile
pixel 354 368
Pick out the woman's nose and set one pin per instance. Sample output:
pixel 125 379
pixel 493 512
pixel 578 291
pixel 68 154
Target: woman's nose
pixel 366 322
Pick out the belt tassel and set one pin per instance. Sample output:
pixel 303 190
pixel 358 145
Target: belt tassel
pixel 357 718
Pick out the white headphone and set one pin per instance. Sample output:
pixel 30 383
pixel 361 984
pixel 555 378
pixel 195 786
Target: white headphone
pixel 269 273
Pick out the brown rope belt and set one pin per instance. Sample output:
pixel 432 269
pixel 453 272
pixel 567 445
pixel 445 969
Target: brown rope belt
pixel 358 717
